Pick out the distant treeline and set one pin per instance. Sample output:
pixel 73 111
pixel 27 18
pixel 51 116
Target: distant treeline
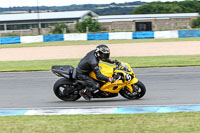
pixel 101 9
pixel 137 7
pixel 188 6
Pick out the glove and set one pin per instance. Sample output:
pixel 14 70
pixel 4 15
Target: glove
pixel 117 62
pixel 111 79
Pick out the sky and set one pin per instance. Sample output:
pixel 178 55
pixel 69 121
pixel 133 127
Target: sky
pixel 12 3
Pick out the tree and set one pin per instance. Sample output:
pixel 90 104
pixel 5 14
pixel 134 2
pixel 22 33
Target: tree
pixel 92 24
pixel 60 28
pixel 188 6
pixel 196 23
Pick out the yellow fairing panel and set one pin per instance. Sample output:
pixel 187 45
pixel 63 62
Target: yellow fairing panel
pixel 134 81
pixel 111 87
pixel 105 70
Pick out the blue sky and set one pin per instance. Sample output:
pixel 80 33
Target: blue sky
pixel 12 3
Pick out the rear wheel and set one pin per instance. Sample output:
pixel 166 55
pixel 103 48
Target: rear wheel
pixel 139 91
pixel 62 89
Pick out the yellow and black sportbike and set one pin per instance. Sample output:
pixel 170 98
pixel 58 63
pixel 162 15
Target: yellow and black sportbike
pixel 125 84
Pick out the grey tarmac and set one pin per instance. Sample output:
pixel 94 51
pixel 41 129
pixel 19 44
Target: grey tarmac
pixel 165 86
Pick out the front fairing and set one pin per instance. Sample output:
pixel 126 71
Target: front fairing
pixel 127 78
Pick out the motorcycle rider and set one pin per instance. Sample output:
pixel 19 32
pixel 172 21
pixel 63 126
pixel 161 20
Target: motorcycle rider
pixel 90 63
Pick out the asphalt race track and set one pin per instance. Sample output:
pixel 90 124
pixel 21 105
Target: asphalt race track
pixel 165 86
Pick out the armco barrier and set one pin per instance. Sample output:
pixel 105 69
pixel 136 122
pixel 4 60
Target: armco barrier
pixel 97 36
pixel 75 37
pixel 143 35
pixel 31 39
pixel 10 40
pixel 188 33
pixel 49 38
pixel 166 34
pixel 101 36
pixel 120 35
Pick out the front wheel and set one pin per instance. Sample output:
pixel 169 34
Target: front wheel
pixel 139 91
pixel 62 89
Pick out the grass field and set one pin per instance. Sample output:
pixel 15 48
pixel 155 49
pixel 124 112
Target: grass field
pixel 152 61
pixel 133 123
pixel 65 43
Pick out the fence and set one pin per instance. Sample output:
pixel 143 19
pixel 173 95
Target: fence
pixel 101 36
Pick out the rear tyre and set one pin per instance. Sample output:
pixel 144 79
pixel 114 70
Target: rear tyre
pixel 61 89
pixel 139 91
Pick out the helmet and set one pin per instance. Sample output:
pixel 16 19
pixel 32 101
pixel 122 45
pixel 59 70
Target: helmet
pixel 102 52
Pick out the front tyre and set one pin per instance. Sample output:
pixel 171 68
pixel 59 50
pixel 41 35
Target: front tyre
pixel 139 91
pixel 62 88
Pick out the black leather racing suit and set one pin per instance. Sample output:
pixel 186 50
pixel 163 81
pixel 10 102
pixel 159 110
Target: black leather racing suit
pixel 86 65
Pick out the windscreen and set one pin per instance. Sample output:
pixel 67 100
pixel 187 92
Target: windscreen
pixel 124 67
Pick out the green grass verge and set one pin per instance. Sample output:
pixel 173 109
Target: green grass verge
pixel 152 61
pixel 65 43
pixel 134 123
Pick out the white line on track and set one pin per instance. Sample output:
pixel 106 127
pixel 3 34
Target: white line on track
pixel 86 107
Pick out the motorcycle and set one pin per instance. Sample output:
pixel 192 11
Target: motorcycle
pixel 126 84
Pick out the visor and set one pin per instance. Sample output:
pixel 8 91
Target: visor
pixel 105 55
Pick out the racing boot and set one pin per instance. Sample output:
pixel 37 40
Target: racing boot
pixel 86 94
